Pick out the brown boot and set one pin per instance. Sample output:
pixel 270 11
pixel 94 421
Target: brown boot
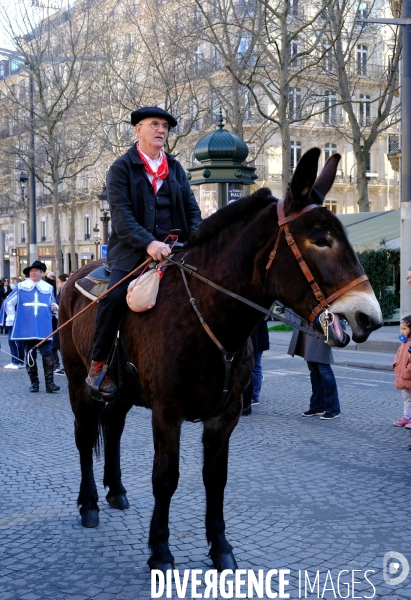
pixel 108 386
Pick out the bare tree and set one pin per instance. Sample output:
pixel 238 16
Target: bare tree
pixel 48 97
pixel 363 72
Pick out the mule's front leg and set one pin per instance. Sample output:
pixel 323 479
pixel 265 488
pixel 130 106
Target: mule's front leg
pixel 114 418
pixel 166 434
pixel 216 439
pixel 86 436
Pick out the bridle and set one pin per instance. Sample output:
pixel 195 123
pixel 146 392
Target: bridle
pixel 323 302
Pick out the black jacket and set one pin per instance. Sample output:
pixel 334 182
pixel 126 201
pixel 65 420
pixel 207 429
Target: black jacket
pixel 132 208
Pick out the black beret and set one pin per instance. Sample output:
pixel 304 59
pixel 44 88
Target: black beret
pixel 36 265
pixel 151 111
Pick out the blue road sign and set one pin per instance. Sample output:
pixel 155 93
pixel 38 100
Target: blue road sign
pixel 104 251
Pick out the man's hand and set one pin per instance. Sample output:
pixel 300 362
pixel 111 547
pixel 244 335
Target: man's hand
pixel 157 250
pixel 54 308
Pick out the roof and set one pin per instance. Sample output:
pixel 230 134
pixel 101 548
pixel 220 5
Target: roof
pixel 366 230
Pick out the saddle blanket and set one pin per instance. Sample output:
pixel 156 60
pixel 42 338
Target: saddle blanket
pixel 94 284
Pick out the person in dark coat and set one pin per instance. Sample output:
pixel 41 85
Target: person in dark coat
pixel 5 290
pixel 324 401
pixel 149 194
pixel 261 343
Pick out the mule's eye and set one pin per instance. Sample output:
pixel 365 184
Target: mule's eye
pixel 323 243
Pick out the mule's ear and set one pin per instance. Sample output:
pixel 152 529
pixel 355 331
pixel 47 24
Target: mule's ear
pixel 326 178
pixel 303 179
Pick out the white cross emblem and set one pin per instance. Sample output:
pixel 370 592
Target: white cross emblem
pixel 35 304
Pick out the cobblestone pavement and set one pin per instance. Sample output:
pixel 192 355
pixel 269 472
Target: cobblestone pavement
pixel 302 494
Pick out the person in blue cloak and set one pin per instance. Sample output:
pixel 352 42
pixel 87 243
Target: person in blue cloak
pixel 34 302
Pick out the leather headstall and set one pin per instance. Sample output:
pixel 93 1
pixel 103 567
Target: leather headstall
pixel 323 303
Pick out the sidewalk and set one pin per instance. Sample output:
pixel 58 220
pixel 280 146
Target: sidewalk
pixel 376 353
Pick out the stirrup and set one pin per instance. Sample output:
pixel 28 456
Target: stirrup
pixel 96 393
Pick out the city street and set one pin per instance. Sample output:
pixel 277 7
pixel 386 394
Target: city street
pixel 302 494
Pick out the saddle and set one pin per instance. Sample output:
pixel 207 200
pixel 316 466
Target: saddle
pixel 95 283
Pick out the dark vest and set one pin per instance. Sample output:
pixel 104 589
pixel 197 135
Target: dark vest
pixel 164 215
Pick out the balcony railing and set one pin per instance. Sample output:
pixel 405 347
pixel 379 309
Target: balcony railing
pixel 394 144
pixel 365 121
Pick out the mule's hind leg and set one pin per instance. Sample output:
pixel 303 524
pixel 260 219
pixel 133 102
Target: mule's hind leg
pixel 166 434
pixel 86 436
pixel 216 437
pixel 114 417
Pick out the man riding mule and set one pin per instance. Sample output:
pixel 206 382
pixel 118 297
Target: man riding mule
pixel 254 248
pixel 149 195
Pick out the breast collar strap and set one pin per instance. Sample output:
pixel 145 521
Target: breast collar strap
pixel 323 303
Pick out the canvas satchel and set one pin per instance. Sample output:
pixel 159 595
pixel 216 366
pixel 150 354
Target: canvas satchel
pixel 142 292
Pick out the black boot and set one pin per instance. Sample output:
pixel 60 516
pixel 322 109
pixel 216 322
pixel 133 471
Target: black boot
pixel 48 374
pixel 34 377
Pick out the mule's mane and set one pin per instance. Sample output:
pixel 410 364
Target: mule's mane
pixel 232 213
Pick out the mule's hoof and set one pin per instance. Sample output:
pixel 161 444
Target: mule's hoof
pixel 160 566
pixel 120 501
pixel 90 518
pixel 221 562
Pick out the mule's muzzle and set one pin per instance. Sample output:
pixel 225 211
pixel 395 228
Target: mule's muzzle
pixel 364 325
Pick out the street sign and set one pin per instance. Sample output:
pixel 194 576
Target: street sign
pixel 104 251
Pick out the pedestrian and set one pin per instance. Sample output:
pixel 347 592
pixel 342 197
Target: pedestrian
pixel 58 369
pixel 7 315
pixel 409 276
pixel 34 303
pixel 14 282
pixel 149 194
pixel 324 401
pixel 402 370
pixel 51 279
pixel 5 290
pixel 261 342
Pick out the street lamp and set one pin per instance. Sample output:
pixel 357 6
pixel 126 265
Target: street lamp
pixel 105 209
pixel 23 182
pixel 96 232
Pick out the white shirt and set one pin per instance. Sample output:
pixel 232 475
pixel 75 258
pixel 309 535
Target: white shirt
pixel 154 164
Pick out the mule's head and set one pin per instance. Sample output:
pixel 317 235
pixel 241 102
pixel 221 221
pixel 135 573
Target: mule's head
pixel 324 245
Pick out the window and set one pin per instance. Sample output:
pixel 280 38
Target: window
pixel 295 154
pixel 330 105
pixel 328 59
pixel 243 46
pixel 247 103
pixel 294 104
pixel 87 226
pixel 362 13
pixel 293 7
pixel 362 59
pixel 292 52
pixel 329 150
pixel 217 58
pixel 43 229
pixel 23 232
pixel 246 7
pixel 365 110
pixel 215 107
pixel 198 59
pixel 331 205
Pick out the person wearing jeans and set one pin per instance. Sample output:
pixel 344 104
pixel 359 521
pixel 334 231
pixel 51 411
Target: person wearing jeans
pixel 324 401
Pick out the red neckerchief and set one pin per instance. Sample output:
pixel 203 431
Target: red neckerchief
pixel 162 170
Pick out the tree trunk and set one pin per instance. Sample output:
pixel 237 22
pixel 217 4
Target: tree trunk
pixel 72 233
pixel 362 182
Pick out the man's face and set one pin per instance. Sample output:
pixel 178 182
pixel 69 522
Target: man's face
pixel 152 132
pixel 409 278
pixel 35 274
